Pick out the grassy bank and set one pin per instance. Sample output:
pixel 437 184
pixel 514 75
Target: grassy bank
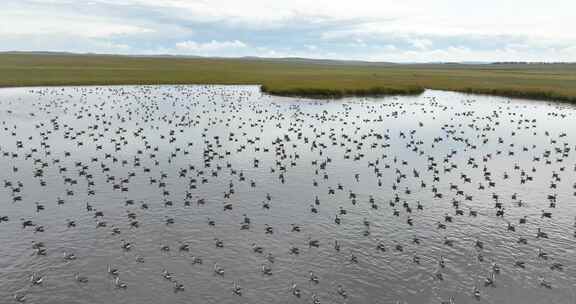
pixel 292 77
pixel 339 93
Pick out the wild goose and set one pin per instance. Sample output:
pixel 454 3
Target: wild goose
pixel 236 289
pixel 218 270
pixel 120 284
pixel 112 271
pixel 313 277
pixel 79 278
pixel 295 290
pixel 341 291
pixel 36 279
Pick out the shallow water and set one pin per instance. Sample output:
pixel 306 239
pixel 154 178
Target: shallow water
pixel 200 140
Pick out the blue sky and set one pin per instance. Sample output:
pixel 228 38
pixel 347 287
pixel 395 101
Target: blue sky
pixel 399 30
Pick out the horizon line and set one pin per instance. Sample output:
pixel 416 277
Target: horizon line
pixel 192 56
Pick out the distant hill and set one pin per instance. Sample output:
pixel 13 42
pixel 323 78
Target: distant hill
pixel 321 61
pixel 248 58
pixel 300 60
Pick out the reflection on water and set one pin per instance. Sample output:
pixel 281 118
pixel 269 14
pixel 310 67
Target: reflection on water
pixel 171 185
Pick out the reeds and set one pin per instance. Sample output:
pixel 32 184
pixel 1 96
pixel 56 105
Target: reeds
pixel 326 93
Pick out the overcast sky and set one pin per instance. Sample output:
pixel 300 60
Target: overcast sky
pixel 376 30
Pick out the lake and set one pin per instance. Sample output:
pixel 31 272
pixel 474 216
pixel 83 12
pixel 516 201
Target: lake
pixel 189 191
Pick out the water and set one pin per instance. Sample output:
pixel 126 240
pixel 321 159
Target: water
pixel 199 140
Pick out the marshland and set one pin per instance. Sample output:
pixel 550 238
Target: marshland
pixel 307 152
pixel 293 77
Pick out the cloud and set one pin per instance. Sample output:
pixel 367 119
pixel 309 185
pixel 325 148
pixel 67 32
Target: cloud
pixel 421 44
pixel 408 30
pixel 210 47
pixel 20 21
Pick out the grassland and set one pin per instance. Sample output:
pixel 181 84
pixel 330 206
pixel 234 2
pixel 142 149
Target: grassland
pixel 292 77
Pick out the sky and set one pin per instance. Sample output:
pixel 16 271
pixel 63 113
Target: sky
pixel 370 30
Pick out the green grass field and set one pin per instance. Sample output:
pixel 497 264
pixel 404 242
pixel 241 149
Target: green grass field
pixel 292 77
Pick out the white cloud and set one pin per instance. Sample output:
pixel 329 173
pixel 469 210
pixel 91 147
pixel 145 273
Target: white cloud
pixel 213 46
pixel 24 22
pixel 407 30
pixel 421 44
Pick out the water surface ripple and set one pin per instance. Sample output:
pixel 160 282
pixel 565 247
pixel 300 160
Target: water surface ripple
pixel 202 155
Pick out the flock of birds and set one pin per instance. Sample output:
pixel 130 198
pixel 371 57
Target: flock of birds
pixel 427 168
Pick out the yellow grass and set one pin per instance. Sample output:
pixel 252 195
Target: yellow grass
pixel 292 77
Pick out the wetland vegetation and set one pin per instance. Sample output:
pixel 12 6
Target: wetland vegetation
pixel 292 77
